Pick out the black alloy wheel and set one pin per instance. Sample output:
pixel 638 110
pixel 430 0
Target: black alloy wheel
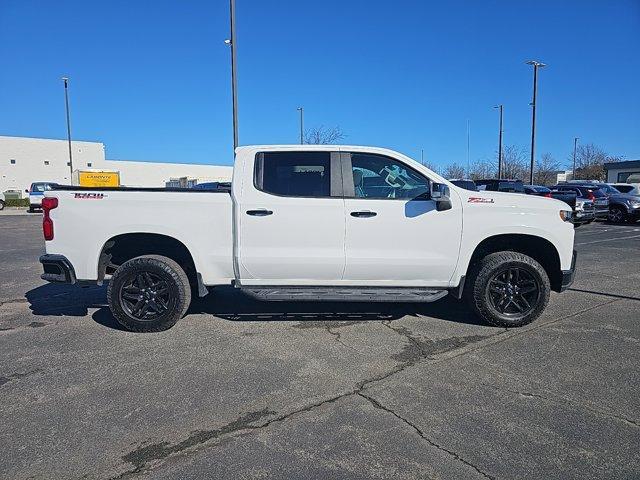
pixel 146 296
pixel 514 292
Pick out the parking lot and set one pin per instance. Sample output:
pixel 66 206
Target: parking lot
pixel 243 389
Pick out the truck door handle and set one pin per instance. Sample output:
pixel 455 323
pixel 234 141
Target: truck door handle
pixel 263 212
pixel 363 214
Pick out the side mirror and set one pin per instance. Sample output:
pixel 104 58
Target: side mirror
pixel 26 190
pixel 440 193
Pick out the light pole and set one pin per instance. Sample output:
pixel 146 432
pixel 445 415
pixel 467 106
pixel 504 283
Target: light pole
pixel 234 85
pixel 536 65
pixel 500 143
pixel 301 110
pixel 66 103
pixel 575 147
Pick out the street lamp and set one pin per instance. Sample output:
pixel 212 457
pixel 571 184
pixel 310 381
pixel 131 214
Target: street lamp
pixel 234 85
pixel 66 103
pixel 500 143
pixel 301 110
pixel 575 147
pixel 536 65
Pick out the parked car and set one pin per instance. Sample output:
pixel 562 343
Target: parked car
pixel 628 188
pixel 622 207
pixel 212 185
pixel 589 191
pixel 538 190
pixel 503 185
pixel 321 222
pixel 36 194
pixel 465 183
pixel 2 201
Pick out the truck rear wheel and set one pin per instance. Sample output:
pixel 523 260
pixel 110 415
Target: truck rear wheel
pixel 149 293
pixel 508 289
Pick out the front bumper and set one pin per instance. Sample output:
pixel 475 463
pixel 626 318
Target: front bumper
pixel 569 275
pixel 57 269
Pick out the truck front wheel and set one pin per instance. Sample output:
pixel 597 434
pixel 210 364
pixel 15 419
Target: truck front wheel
pixel 508 289
pixel 149 293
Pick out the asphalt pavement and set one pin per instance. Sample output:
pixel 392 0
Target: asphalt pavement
pixel 243 389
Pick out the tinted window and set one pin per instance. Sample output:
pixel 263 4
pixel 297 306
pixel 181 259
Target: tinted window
pixel 466 184
pixel 294 174
pixel 377 176
pixel 598 193
pixel 624 188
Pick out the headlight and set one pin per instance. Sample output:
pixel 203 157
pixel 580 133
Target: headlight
pixel 566 215
pixel 635 203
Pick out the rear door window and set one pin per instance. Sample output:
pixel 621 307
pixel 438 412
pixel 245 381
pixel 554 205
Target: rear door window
pixel 294 174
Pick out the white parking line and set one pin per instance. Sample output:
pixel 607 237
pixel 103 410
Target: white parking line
pixel 617 230
pixel 608 240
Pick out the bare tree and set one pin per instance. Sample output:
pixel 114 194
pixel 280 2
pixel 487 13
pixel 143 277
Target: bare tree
pixel 454 170
pixel 482 169
pixel 514 163
pixel 546 171
pixel 590 160
pixel 323 136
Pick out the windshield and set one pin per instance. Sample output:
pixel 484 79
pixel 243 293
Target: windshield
pixel 597 192
pixel 609 189
pixel 40 187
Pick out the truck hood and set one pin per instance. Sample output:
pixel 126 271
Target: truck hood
pixel 513 200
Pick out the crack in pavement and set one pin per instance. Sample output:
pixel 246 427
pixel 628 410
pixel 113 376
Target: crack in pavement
pixel 379 406
pixel 418 349
pixel 143 455
pixel 563 400
pixel 17 376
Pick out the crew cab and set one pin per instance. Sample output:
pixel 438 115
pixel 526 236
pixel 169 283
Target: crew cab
pixel 311 223
pixel 36 194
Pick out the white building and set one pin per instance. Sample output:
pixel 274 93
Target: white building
pixel 25 160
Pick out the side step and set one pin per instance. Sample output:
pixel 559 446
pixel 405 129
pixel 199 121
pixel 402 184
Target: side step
pixel 344 294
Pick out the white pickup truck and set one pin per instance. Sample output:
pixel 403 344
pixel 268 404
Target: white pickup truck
pixel 310 223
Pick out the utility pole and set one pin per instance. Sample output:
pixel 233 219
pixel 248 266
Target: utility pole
pixel 500 143
pixel 301 110
pixel 468 144
pixel 422 156
pixel 234 84
pixel 66 103
pixel 575 147
pixel 536 65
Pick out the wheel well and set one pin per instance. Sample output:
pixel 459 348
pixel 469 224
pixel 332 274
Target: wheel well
pixel 121 248
pixel 538 248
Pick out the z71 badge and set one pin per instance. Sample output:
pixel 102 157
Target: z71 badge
pixel 89 196
pixel 480 200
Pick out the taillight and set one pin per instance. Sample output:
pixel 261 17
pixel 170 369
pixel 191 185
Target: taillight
pixel 590 195
pixel 48 204
pixel 548 194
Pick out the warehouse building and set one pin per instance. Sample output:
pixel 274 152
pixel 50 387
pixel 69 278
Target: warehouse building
pixel 25 160
pixel 619 172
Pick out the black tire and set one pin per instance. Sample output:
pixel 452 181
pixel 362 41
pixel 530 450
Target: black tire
pixel 1 205
pixel 522 305
pixel 149 293
pixel 617 214
pixel 31 209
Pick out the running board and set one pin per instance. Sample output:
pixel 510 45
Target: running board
pixel 344 294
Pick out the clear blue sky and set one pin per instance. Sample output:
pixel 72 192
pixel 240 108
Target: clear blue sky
pixel 150 79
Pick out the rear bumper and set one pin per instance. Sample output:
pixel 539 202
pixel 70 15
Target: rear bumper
pixel 569 275
pixel 57 269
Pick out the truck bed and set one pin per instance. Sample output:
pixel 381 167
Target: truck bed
pixel 90 217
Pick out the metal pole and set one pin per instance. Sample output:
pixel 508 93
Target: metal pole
pixel 533 115
pixel 422 156
pixel 575 146
pixel 66 103
pixel 234 84
pixel 500 144
pixel 533 122
pixel 301 110
pixel 468 144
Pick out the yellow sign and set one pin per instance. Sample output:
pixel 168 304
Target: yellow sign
pixel 99 179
